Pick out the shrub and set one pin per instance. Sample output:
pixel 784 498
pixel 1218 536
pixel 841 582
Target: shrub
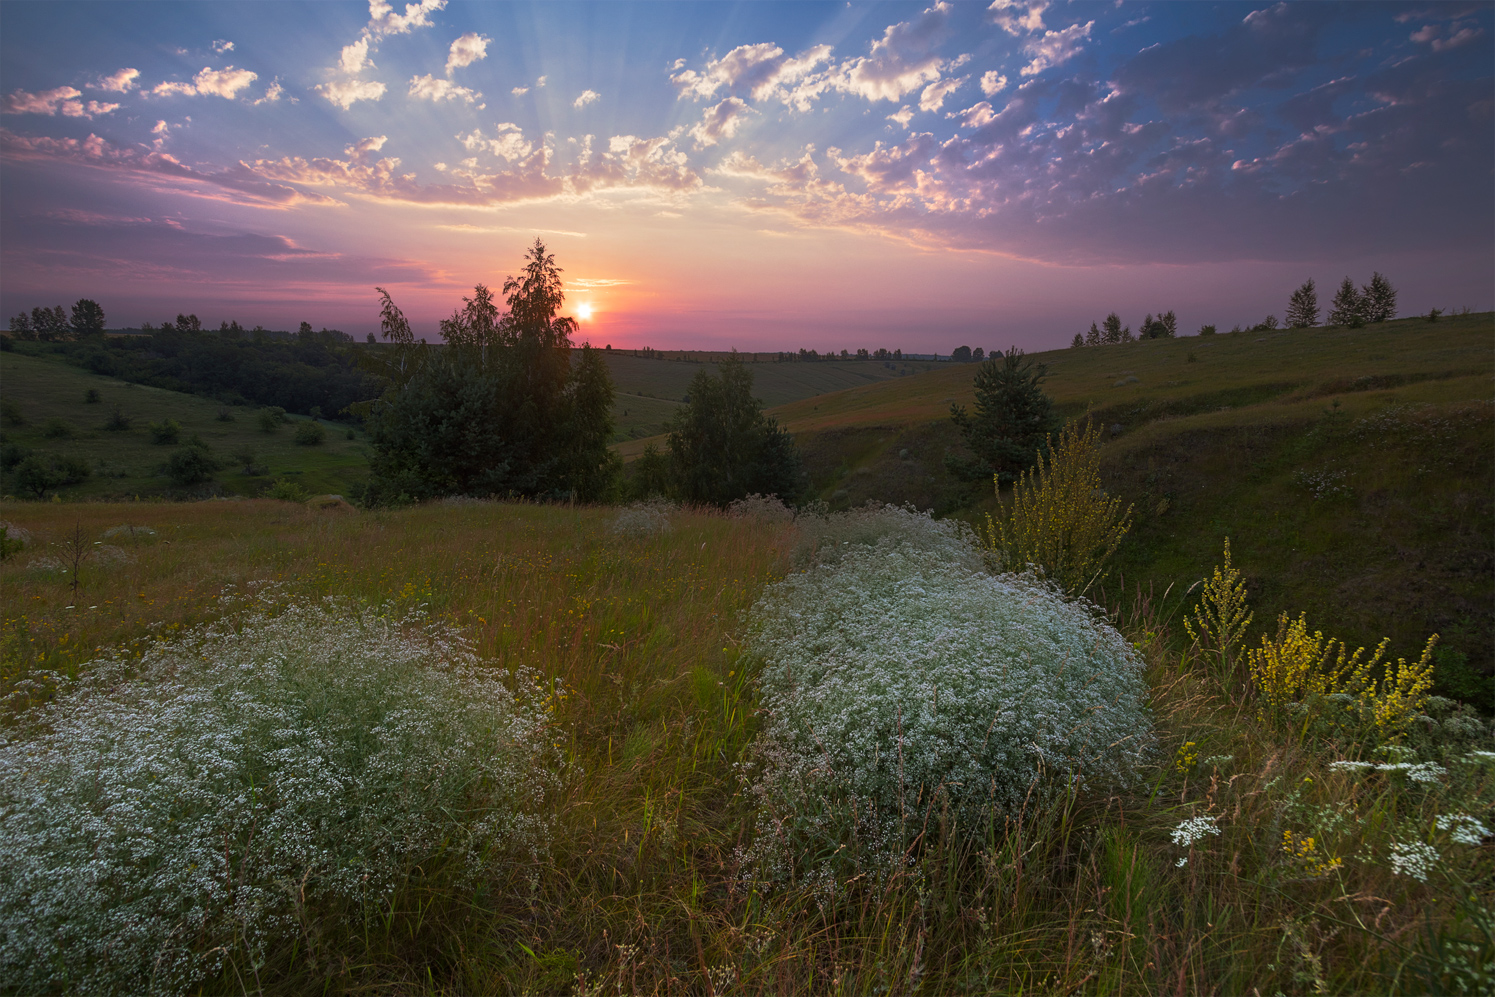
pixel 1061 521
pixel 761 509
pixel 642 520
pixel 191 464
pixel 225 414
pixel 270 419
pixel 310 433
pixel 13 540
pixel 203 802
pixel 10 414
pixel 165 432
pixel 117 422
pixel 58 429
pixel 287 491
pixel 91 397
pixel 906 691
pixel 1206 330
pixel 39 473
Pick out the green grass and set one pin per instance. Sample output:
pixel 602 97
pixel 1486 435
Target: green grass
pixel 126 463
pixel 650 389
pixel 641 891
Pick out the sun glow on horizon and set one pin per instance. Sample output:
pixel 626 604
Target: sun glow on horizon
pixel 584 312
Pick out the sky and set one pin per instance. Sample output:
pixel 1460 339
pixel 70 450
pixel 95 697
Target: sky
pixel 760 176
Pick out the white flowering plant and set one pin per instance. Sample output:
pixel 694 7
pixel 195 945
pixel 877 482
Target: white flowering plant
pixel 906 688
pixel 204 802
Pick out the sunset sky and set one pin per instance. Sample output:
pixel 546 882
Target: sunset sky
pixel 763 176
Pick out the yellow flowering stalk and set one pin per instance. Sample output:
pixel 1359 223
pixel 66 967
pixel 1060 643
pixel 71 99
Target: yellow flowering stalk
pixel 1222 616
pixel 1061 520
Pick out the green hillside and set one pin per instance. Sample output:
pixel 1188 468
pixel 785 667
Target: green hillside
pixel 651 388
pixel 46 412
pixel 1354 470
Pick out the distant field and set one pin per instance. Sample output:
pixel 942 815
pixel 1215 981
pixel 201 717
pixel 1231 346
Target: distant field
pixel 126 463
pixel 650 389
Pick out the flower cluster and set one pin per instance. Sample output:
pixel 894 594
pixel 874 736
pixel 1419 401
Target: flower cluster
pixel 643 520
pixel 1464 830
pixel 1413 858
pixel 193 803
pixel 900 680
pixel 1194 829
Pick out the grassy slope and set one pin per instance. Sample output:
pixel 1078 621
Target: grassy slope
pixel 640 892
pixel 1397 420
pixel 650 389
pixel 124 463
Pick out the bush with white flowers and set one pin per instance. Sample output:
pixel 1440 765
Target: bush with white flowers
pixel 172 811
pixel 906 689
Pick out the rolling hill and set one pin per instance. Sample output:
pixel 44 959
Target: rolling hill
pixel 1353 470
pixel 46 412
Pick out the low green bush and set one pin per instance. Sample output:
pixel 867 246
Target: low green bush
pixel 165 432
pixel 310 433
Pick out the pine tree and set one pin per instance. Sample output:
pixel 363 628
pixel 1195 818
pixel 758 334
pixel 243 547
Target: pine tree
pixel 1348 309
pixel 1093 337
pixel 1012 419
pixel 1303 307
pixel 1378 299
pixel 1111 329
pixel 1077 342
pixel 1169 322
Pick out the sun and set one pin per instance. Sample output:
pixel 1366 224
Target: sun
pixel 584 312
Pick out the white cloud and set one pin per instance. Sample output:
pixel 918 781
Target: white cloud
pixel 903 60
pixel 160 128
pixel 121 81
pixel 975 116
pixel 223 83
pixel 46 102
pixel 61 100
pixel 992 82
pixel 359 152
pixel 934 95
pixel 1055 47
pixel 519 91
pixel 431 87
pixel 761 71
pixel 540 81
pixel 344 93
pixel 904 116
pixel 273 93
pixel 508 144
pixel 220 46
pixel 1016 18
pixel 384 21
pixel 355 57
pixel 587 97
pixel 466 50
pixel 719 122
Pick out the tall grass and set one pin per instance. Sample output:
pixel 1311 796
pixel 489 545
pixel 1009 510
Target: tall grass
pixel 641 888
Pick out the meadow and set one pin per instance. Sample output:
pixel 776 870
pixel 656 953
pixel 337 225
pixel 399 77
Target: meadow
pixel 50 400
pixel 1248 852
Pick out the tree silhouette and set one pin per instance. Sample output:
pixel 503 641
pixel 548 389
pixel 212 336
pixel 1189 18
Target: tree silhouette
pixel 1348 308
pixel 1378 299
pixel 1303 307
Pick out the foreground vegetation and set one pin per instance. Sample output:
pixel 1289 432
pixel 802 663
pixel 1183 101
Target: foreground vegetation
pixel 1245 849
